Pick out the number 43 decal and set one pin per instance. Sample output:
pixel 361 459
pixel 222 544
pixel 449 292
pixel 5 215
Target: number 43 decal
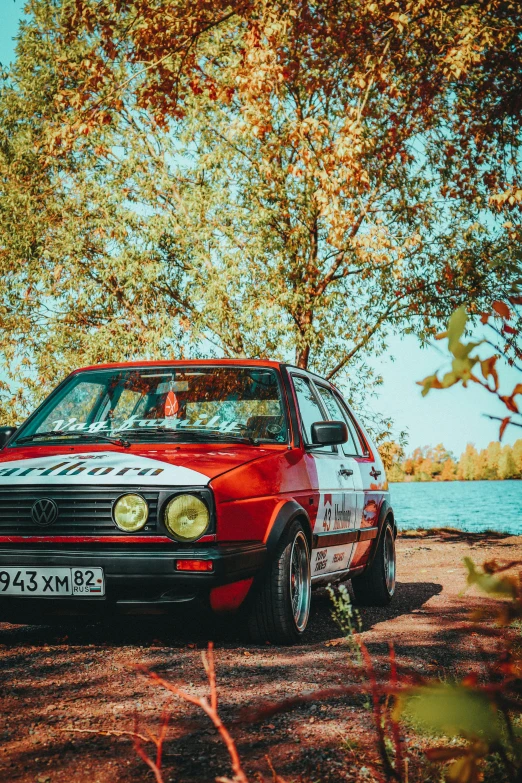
pixel 327 521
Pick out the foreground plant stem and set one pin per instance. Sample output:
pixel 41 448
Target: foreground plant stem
pixel 209 705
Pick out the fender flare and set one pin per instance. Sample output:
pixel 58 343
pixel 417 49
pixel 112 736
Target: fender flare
pixel 385 513
pixel 290 511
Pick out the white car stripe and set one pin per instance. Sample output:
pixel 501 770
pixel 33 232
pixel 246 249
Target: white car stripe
pixel 98 468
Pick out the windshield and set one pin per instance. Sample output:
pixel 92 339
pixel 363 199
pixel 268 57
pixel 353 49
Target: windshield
pixel 180 404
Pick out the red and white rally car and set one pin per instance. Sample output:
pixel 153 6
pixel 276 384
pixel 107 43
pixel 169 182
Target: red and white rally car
pixel 136 487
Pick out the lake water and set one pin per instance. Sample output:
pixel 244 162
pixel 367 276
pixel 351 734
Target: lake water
pixel 472 506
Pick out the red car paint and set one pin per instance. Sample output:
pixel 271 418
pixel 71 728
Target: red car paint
pixel 251 486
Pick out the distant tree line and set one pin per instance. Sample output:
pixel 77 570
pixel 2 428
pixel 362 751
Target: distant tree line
pixel 427 463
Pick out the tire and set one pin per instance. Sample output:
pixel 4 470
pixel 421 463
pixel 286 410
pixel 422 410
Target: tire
pixel 376 585
pixel 281 602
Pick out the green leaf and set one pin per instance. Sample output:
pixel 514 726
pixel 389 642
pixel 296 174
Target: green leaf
pixel 451 710
pixel 492 585
pixel 463 367
pixel 449 379
pixel 464 770
pixel 462 350
pixel 430 382
pixel 456 326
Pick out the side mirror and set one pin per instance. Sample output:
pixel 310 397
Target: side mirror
pixel 6 433
pixel 329 433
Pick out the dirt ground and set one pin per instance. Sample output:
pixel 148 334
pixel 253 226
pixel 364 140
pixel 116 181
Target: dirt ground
pixel 56 679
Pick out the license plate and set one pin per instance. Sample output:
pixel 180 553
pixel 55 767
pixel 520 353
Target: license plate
pixel 52 581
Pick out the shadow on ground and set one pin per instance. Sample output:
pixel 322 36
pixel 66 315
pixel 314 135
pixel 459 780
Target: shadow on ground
pixel 82 676
pixel 195 627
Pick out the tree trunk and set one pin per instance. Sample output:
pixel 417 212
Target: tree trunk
pixel 302 356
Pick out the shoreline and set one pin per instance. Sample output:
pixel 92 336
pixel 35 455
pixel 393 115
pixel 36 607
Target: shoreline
pixel 456 481
pixel 468 506
pixel 453 534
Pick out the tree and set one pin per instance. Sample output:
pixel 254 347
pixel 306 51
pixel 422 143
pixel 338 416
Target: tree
pixel 467 464
pixel 436 463
pixel 425 464
pixel 448 472
pixel 506 464
pixel 481 466
pixel 493 457
pixel 517 457
pixel 467 57
pixel 395 473
pixel 247 179
pixel 408 466
pixel 439 456
pixel 391 453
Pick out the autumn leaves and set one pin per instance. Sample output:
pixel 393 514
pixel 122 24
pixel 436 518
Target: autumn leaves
pixel 252 179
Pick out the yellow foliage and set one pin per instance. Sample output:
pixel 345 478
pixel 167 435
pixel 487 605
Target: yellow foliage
pixel 437 464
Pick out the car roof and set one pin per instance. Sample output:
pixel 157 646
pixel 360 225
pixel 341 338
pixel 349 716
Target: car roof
pixel 185 363
pixel 206 363
pixel 300 370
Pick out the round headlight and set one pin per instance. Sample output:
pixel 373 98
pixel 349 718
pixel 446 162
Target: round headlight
pixel 186 517
pixel 131 513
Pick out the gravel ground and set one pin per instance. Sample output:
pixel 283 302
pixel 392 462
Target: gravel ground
pixel 58 682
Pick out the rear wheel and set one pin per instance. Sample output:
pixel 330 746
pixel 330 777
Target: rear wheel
pixel 376 586
pixel 281 602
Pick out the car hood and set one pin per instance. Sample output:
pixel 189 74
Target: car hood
pixel 160 465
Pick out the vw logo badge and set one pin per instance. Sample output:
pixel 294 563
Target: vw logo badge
pixel 44 512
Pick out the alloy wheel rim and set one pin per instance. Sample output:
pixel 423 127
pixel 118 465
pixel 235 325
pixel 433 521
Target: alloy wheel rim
pixel 389 561
pixel 300 586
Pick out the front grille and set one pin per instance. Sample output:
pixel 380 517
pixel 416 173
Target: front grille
pixel 81 510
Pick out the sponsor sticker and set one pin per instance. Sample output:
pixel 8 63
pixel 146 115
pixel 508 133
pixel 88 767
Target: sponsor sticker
pixel 334 513
pixel 112 427
pixel 321 558
pixel 332 558
pixel 98 468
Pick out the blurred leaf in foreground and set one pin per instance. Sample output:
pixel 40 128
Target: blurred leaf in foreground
pixel 451 710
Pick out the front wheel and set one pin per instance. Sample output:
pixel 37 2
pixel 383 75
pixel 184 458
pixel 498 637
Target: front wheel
pixel 376 585
pixel 281 602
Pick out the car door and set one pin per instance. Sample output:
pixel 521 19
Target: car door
pixel 347 523
pixel 331 483
pixel 371 486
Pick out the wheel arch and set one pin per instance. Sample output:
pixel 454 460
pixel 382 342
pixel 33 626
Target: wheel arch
pixel 285 517
pixel 386 513
pixel 271 614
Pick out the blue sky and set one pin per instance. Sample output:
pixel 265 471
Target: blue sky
pixel 10 12
pixel 453 417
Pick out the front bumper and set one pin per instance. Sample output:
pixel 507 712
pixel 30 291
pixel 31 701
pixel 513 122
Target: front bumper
pixel 135 581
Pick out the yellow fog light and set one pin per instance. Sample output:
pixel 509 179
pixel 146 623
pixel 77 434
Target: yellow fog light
pixel 186 517
pixel 131 513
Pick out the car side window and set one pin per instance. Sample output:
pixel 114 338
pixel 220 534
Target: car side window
pixel 337 413
pixel 362 447
pixel 309 408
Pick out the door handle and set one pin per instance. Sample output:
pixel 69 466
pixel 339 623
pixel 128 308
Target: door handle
pixel 374 473
pixel 346 472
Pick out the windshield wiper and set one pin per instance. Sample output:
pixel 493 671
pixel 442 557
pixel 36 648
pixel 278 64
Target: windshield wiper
pixel 192 435
pixel 83 435
pixel 146 430
pixel 100 436
pixel 239 438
